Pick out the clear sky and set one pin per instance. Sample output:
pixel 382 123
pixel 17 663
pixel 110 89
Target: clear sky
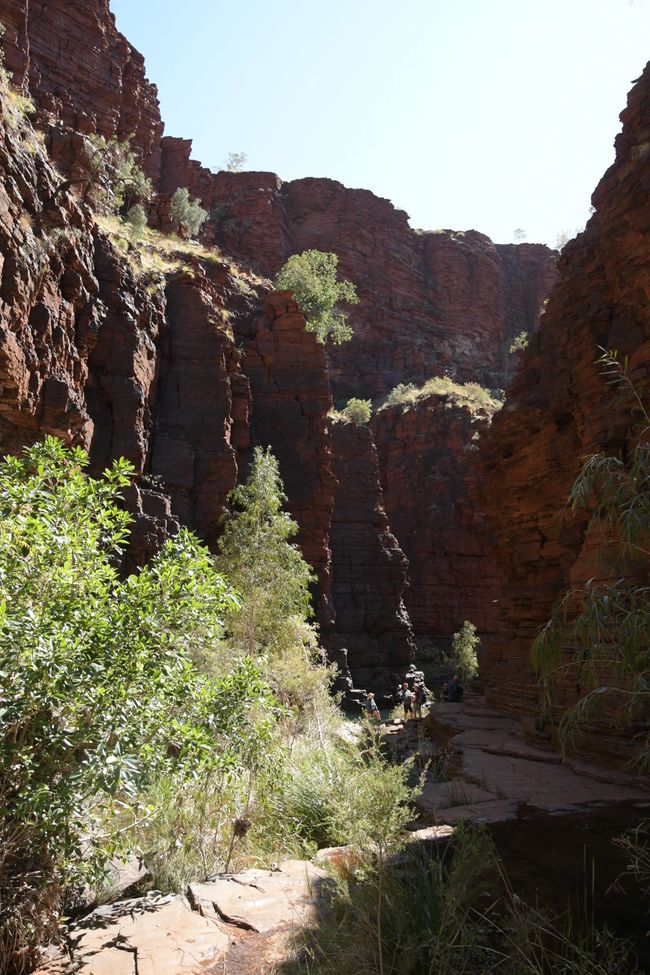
pixel 484 114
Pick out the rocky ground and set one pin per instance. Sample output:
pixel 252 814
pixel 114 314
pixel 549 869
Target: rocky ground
pixel 480 768
pixel 238 923
pixel 484 768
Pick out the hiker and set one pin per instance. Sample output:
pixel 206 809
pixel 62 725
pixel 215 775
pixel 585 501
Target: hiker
pixel 407 700
pixel 455 690
pixel 419 699
pixel 371 709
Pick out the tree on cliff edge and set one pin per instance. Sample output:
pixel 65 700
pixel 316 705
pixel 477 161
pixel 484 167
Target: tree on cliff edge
pixel 312 276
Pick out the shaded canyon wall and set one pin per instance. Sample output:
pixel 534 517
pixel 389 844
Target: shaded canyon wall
pixel 559 411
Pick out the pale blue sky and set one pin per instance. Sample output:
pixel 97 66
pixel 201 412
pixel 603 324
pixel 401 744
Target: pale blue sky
pixel 484 114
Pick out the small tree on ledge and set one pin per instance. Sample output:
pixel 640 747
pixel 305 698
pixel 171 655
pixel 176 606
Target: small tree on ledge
pixel 464 644
pixel 187 216
pixel 312 278
pixel 357 410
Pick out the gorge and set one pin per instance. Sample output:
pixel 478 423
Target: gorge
pixel 182 357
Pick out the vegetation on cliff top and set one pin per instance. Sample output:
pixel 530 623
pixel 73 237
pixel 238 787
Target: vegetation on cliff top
pixel 472 397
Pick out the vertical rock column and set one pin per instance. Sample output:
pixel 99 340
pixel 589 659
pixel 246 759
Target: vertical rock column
pixel 427 458
pixel 286 368
pixel 369 578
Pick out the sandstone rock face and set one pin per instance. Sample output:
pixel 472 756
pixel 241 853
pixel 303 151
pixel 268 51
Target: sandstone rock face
pixel 427 457
pixel 50 313
pixel 186 379
pixel 82 72
pixel 369 568
pixel 286 369
pixel 559 410
pixel 429 302
pixel 229 920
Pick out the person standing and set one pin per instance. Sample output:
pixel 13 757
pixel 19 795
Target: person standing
pixel 407 700
pixel 371 709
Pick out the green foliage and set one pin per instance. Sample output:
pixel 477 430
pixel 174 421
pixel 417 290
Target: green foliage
pixel 465 644
pixel 469 396
pixel 257 555
pixel 312 277
pixel 520 342
pixel 186 841
pixel 98 693
pixel 115 176
pixel 186 216
pixel 348 794
pixel 435 919
pixel 598 635
pixel 357 410
pixel 429 920
pixel 136 218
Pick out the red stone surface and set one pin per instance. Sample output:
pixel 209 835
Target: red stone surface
pixel 427 457
pixel 82 72
pixel 286 368
pixel 185 382
pixel 429 301
pixel 559 410
pixel 370 570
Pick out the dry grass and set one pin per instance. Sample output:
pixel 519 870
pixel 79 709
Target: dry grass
pixel 153 255
pixel 469 396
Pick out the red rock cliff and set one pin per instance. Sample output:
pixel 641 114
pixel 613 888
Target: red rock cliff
pixel 429 302
pixel 82 72
pixel 559 410
pixel 369 568
pixel 427 457
pixel 185 379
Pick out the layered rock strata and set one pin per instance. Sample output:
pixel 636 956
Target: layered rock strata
pixel 559 411
pixel 286 369
pixel 369 582
pixel 184 379
pixel 427 457
pixel 82 73
pixel 430 302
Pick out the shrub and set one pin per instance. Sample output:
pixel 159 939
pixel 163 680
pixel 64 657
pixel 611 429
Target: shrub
pixel 464 645
pixel 311 276
pixel 98 693
pixel 137 220
pixel 476 399
pixel 357 410
pixel 115 178
pixel 186 216
pixel 520 342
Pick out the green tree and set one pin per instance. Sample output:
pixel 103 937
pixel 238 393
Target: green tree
pixel 598 635
pixel 98 691
pixel 186 216
pixel 357 410
pixel 312 277
pixel 465 644
pixel 257 555
pixel 115 178
pixel 520 342
pixel 137 220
